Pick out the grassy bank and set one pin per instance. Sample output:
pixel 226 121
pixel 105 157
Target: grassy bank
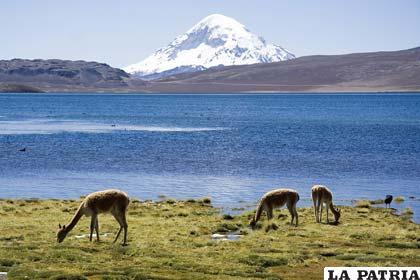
pixel 172 240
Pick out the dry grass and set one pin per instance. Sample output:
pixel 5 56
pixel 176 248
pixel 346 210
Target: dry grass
pixel 172 240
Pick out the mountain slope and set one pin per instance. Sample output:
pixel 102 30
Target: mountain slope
pixel 376 71
pixel 60 74
pixel 216 40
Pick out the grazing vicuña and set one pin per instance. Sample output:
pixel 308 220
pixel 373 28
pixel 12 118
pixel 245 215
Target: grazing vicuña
pixel 276 199
pixel 322 195
pixel 112 201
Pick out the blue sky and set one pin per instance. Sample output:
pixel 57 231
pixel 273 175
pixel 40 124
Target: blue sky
pixel 124 32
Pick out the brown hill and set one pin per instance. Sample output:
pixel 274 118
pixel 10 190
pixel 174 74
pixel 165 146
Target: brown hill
pixel 61 75
pixel 377 71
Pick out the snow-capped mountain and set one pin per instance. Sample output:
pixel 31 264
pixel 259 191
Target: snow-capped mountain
pixel 215 41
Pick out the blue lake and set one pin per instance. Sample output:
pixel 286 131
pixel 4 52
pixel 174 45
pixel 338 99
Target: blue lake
pixel 232 148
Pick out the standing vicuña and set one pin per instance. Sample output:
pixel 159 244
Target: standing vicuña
pixel 276 199
pixel 320 195
pixel 113 201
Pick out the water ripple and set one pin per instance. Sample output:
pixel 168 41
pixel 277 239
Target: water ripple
pixel 39 126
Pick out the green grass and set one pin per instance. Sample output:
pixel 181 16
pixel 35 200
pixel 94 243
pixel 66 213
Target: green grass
pixel 171 239
pixel 399 199
pixel 377 201
pixel 363 204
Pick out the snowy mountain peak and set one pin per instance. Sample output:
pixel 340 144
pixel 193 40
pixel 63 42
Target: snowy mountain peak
pixel 219 21
pixel 216 40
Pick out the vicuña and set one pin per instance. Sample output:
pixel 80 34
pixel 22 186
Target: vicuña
pixel 277 199
pixel 322 195
pixel 107 201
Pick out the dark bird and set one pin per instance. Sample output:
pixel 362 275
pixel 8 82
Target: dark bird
pixel 388 200
pixel 22 150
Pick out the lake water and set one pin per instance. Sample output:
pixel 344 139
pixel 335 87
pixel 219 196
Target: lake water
pixel 232 148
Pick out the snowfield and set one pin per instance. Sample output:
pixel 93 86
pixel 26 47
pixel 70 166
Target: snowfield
pixel 216 40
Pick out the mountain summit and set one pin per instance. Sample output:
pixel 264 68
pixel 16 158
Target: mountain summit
pixel 216 40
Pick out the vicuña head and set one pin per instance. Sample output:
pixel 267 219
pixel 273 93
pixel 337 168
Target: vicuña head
pixel 337 214
pixel 112 201
pixel 253 223
pixel 62 233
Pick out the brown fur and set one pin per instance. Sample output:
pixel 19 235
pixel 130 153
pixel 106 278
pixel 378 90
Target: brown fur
pixel 107 201
pixel 277 199
pixel 322 195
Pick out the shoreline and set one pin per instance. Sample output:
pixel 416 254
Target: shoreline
pixel 233 93
pixel 237 210
pixel 243 206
